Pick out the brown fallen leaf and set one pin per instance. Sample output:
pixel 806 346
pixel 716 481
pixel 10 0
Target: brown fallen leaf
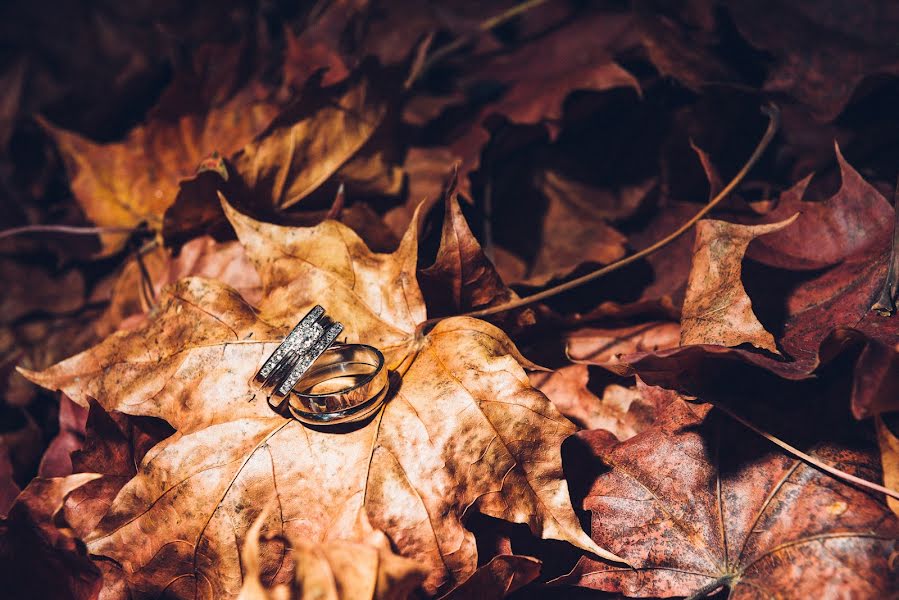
pixel 130 295
pixel 114 446
pixel 122 184
pixel 57 461
pixel 308 142
pixel 323 133
pixel 621 410
pixel 575 228
pixel 39 555
pixel 818 299
pixel 698 502
pixel 823 51
pixel 717 309
pixel 462 278
pixel 463 400
pixel 603 346
pixel 332 571
pixel 503 575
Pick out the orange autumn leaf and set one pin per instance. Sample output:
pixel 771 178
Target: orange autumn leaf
pixel 463 429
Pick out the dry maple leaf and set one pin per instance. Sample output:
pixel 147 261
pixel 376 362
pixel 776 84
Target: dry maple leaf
pixel 463 430
pixel 717 309
pixel 817 296
pixel 823 50
pixel 698 502
pixel 462 278
pixel 123 184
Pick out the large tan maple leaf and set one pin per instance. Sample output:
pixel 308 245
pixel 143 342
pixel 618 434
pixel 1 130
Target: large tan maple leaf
pixel 463 429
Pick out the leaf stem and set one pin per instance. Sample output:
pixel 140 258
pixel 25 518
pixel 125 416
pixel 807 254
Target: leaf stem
pixel 807 458
pixel 483 26
pixel 706 590
pixel 69 229
pixel 773 114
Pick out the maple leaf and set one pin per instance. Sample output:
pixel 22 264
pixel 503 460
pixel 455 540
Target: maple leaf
pixel 464 429
pixel 462 278
pixel 822 301
pixel 823 50
pixel 695 504
pixel 126 183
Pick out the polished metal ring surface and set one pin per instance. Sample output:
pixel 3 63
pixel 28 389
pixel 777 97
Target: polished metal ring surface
pixel 347 383
pixel 300 349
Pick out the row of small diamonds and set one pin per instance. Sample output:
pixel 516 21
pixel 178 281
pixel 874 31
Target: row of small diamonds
pixel 310 357
pixel 306 331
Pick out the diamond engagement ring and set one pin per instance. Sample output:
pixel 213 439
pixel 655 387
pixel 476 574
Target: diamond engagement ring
pixel 325 383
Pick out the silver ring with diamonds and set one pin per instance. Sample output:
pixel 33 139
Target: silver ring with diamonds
pixel 300 349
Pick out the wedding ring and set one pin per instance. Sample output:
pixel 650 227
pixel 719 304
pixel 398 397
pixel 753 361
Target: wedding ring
pixel 347 383
pixel 300 349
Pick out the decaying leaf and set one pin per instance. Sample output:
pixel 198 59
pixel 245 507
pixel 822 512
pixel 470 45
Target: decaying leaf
pixel 824 302
pixel 464 429
pixel 313 139
pixel 621 410
pixel 122 184
pixel 698 502
pixel 717 309
pixel 40 556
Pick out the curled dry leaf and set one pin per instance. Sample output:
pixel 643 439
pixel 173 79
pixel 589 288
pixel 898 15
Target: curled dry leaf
pixel 462 278
pixel 321 133
pixel 604 346
pixel 697 502
pixel 621 410
pixel 717 309
pixel 122 184
pixel 332 571
pixel 463 429
pixel 311 140
pixel 40 557
pixel 820 298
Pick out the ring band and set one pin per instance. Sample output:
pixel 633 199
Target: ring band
pixel 300 349
pixel 347 383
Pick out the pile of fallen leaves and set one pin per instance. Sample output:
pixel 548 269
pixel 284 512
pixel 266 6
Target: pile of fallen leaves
pixel 640 332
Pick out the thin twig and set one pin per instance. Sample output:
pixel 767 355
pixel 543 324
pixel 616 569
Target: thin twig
pixel 807 458
pixel 67 229
pixel 484 26
pixel 773 123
